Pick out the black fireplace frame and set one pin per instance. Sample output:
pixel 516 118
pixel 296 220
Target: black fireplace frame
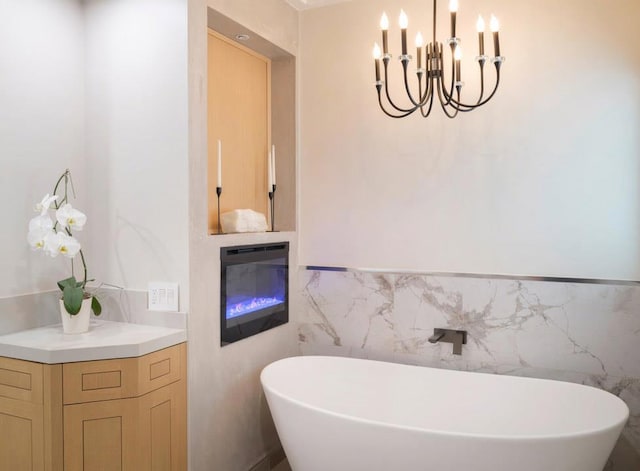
pixel 267 318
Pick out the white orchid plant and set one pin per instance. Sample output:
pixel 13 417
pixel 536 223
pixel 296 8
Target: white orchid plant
pixel 56 238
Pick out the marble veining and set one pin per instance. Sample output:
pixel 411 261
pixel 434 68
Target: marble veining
pixel 578 332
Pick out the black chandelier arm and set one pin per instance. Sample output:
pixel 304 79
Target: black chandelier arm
pixel 443 105
pixel 481 64
pixel 391 115
pixel 465 107
pixel 420 87
pixel 448 93
pixel 428 78
pixel 424 96
pixel 386 91
pixel 427 96
pixel 405 64
pixel 424 115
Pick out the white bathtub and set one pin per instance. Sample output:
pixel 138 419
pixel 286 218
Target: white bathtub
pixel 343 414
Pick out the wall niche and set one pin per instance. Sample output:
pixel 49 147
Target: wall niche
pixel 250 108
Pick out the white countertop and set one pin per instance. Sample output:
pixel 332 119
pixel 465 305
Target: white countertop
pixel 103 341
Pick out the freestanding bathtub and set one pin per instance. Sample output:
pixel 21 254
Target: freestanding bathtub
pixel 344 414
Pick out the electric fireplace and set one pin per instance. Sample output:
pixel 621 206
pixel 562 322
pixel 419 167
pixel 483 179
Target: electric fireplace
pixel 254 289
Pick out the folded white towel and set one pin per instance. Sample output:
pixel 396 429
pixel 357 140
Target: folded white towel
pixel 243 220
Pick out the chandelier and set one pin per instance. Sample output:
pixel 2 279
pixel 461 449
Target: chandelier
pixel 431 76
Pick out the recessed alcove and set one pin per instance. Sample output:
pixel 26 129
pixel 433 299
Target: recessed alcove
pixel 250 108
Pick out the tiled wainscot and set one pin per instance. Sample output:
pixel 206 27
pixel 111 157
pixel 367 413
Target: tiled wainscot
pixel 586 333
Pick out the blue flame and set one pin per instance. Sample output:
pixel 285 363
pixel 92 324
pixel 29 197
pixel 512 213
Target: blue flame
pixel 235 309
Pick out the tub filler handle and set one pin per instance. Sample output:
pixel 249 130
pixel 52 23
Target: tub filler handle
pixel 456 337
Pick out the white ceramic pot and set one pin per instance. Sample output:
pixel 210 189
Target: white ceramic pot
pixel 79 323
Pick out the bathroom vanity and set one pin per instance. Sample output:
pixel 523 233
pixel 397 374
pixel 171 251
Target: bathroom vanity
pixel 113 398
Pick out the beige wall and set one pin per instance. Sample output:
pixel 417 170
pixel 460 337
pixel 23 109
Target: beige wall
pixel 543 180
pixel 230 427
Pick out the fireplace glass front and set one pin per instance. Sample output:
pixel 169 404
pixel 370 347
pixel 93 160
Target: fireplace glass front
pixel 254 289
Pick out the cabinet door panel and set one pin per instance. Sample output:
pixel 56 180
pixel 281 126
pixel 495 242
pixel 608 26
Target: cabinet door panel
pixel 162 416
pixel 160 439
pixel 101 436
pixel 21 436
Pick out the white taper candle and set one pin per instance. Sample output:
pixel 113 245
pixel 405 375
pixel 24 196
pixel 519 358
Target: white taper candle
pixel 269 173
pixel 273 162
pixel 219 163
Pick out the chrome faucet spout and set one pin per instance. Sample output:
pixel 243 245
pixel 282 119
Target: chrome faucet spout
pixel 436 336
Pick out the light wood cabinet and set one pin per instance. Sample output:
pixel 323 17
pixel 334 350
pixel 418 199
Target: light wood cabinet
pixel 30 415
pixel 124 414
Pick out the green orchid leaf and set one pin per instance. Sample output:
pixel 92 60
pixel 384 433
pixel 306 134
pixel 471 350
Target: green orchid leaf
pixel 72 297
pixel 95 306
pixel 70 282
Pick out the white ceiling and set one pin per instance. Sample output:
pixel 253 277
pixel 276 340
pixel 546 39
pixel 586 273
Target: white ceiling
pixel 308 4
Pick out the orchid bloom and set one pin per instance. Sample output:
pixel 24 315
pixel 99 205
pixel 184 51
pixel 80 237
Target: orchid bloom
pixel 71 218
pixel 39 228
pixel 40 222
pixel 43 206
pixel 45 235
pixel 61 243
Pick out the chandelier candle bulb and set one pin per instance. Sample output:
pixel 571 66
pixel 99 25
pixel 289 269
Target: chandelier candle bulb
pixel 453 8
pixel 457 55
pixel 480 28
pixel 404 23
pixel 376 56
pixel 384 25
pixel 495 27
pixel 419 42
pixel 219 163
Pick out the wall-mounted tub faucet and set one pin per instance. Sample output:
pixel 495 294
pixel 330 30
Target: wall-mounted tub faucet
pixel 456 337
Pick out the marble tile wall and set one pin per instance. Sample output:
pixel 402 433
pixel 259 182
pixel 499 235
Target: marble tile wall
pixel 579 332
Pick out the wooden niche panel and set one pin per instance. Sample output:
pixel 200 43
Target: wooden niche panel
pixel 239 115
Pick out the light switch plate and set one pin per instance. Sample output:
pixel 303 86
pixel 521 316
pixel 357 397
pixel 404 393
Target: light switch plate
pixel 163 296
